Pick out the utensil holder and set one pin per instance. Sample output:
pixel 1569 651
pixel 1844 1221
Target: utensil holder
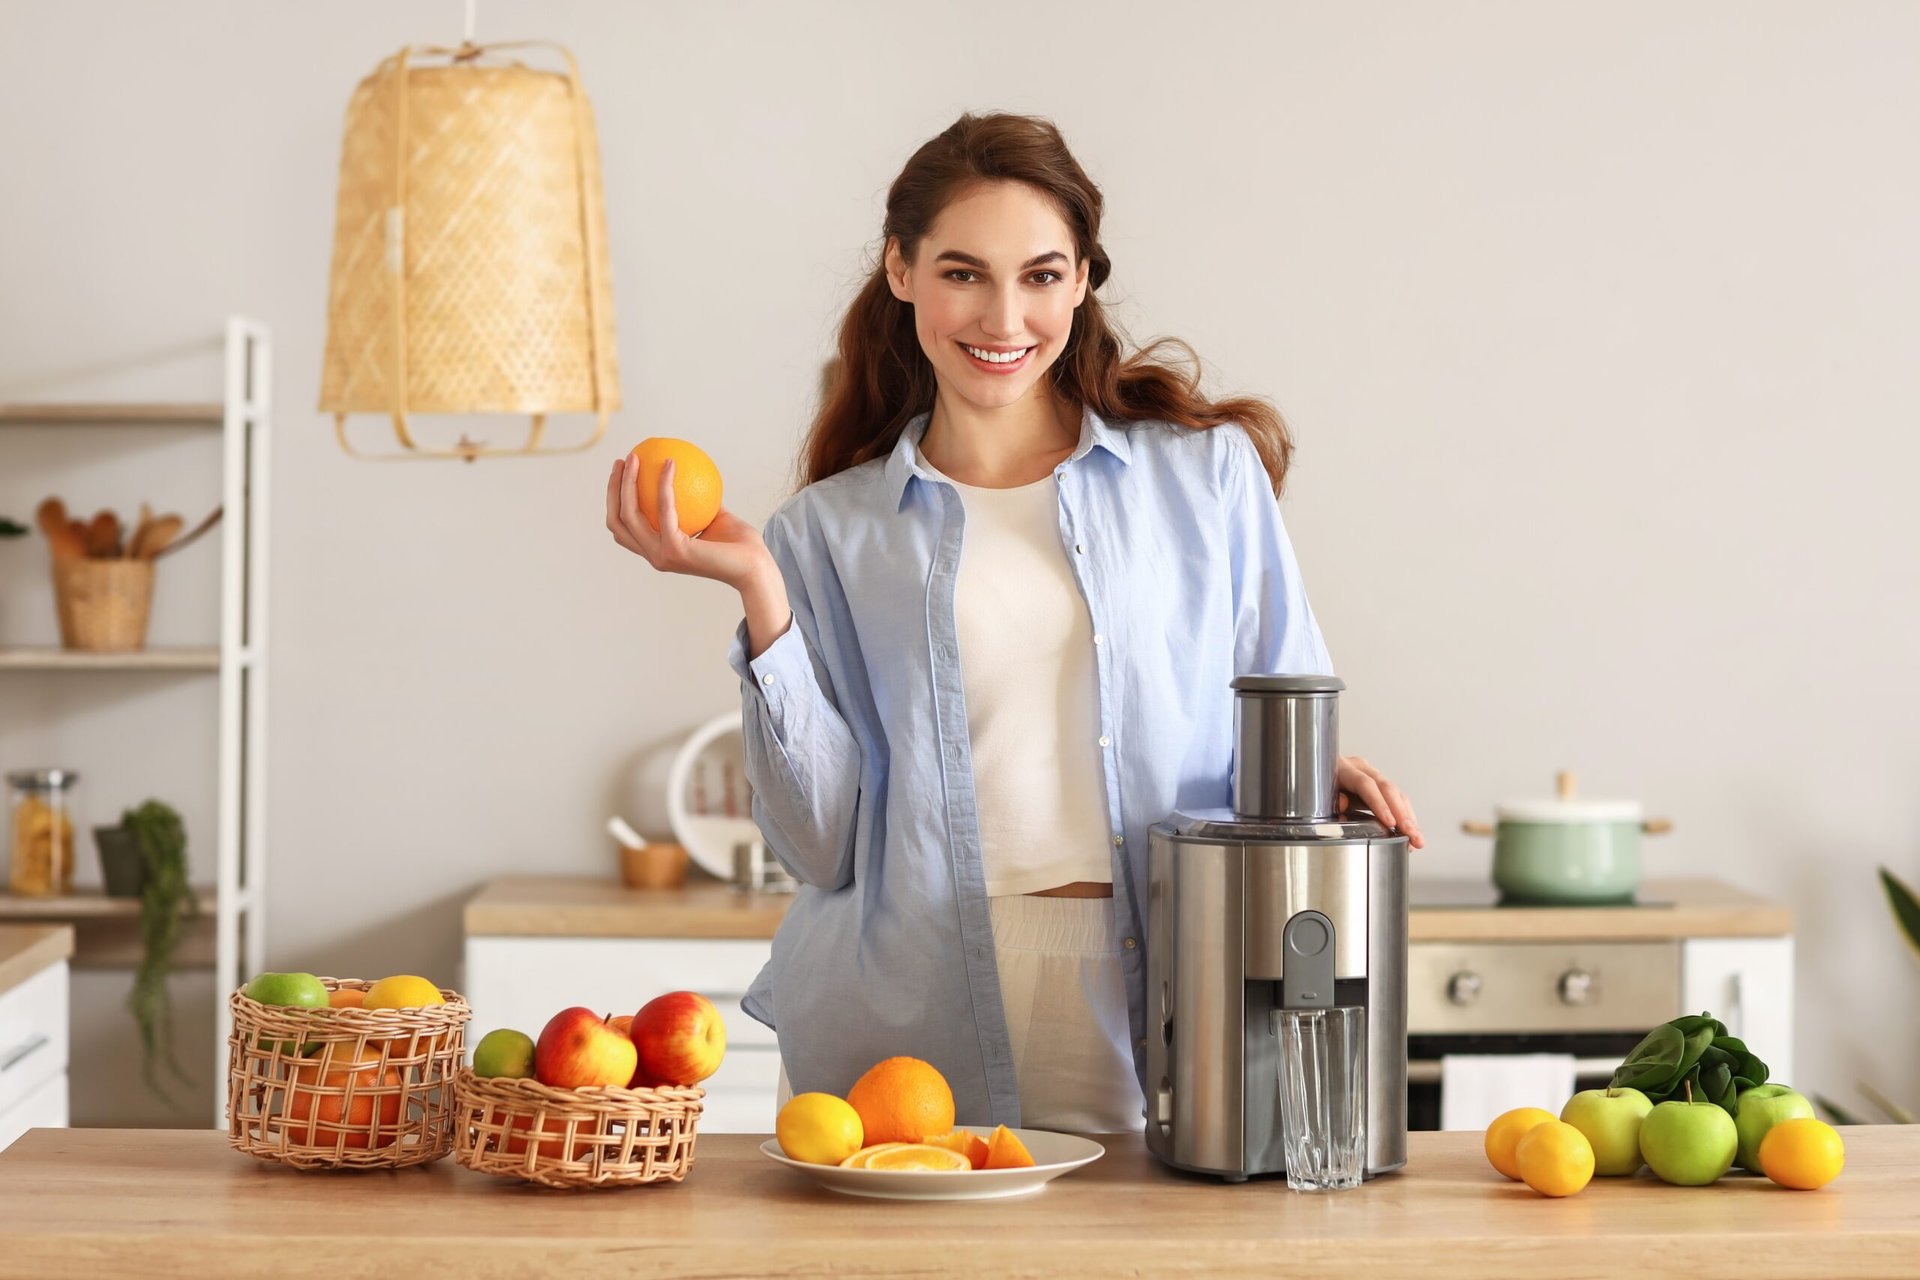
pixel 103 605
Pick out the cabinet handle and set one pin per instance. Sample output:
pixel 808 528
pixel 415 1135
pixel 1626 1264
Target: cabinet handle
pixel 14 1055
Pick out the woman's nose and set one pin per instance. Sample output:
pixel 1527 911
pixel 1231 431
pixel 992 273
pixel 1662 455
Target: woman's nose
pixel 1003 316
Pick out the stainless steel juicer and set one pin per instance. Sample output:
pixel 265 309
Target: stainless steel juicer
pixel 1228 945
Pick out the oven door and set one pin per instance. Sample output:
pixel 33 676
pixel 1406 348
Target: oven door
pixel 1593 1000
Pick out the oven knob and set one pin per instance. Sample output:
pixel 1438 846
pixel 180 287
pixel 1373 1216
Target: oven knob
pixel 1463 987
pixel 1576 986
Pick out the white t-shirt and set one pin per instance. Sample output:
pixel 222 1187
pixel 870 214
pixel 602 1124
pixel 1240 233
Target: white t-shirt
pixel 1026 666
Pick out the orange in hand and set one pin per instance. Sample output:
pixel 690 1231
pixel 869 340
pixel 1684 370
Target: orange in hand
pixel 902 1100
pixel 696 482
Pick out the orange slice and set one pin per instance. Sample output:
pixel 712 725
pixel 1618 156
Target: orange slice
pixel 966 1142
pixel 919 1157
pixel 858 1160
pixel 1005 1151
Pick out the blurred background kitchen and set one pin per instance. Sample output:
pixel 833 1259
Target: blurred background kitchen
pixel 1594 323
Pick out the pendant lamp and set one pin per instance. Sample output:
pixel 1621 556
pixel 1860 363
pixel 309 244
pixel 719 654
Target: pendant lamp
pixel 470 268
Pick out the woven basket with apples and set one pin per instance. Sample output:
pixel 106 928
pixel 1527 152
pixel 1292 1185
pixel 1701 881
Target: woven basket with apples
pixel 597 1101
pixel 338 1073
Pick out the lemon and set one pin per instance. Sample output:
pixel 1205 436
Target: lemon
pixel 1506 1131
pixel 403 991
pixel 1804 1153
pixel 919 1157
pixel 1554 1158
pixel 818 1128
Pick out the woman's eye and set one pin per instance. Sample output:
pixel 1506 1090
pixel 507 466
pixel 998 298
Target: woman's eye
pixel 1057 277
pixel 952 274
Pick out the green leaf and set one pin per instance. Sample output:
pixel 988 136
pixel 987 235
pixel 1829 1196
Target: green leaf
pixel 1839 1113
pixel 1906 907
pixel 1697 1041
pixel 1654 1064
pixel 1897 1113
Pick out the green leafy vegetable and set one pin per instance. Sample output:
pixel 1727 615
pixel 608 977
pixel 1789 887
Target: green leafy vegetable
pixel 1691 1055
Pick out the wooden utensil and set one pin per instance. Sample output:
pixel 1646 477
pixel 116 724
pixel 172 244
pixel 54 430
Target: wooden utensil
pixel 160 533
pixel 52 519
pixel 170 546
pixel 103 536
pixel 137 543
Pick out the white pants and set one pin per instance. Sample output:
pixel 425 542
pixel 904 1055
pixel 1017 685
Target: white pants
pixel 1066 1007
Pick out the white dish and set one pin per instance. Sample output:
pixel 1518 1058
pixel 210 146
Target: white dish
pixel 1053 1154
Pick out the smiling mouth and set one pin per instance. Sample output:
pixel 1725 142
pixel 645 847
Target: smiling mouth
pixel 992 361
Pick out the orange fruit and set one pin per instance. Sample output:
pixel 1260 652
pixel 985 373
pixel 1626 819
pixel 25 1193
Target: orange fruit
pixel 347 998
pixel 902 1100
pixel 696 482
pixel 1803 1153
pixel 920 1157
pixel 966 1142
pixel 1005 1151
pixel 1505 1133
pixel 316 1118
pixel 858 1160
pixel 1554 1158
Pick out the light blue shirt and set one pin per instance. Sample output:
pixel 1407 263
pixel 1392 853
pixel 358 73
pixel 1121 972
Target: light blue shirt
pixel 858 751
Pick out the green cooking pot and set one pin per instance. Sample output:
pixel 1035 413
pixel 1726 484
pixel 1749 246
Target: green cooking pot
pixel 1567 851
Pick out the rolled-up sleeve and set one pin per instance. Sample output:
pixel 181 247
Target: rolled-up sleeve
pixel 802 760
pixel 1274 630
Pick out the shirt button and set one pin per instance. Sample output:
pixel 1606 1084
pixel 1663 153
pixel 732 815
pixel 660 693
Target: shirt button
pixel 1103 741
pixel 766 679
pixel 1131 944
pixel 1080 548
pixel 1119 840
pixel 1098 639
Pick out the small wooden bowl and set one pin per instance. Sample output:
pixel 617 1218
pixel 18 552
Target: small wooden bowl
pixel 655 866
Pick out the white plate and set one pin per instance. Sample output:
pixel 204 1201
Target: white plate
pixel 1053 1154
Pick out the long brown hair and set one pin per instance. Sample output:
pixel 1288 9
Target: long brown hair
pixel 882 378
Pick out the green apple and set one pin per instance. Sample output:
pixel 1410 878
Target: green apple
pixel 1759 1109
pixel 1610 1119
pixel 1689 1144
pixel 504 1052
pixel 294 990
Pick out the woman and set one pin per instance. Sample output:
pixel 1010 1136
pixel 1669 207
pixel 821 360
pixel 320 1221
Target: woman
pixel 990 642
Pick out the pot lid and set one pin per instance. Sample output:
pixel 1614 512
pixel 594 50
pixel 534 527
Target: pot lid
pixel 1566 807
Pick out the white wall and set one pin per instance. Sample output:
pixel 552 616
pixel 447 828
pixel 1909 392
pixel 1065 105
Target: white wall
pixel 1595 322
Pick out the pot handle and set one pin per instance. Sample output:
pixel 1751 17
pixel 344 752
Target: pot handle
pixel 1473 828
pixel 1657 826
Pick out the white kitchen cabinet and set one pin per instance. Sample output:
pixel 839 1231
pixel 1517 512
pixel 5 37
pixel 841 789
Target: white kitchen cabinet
pixel 521 982
pixel 1747 983
pixel 33 1053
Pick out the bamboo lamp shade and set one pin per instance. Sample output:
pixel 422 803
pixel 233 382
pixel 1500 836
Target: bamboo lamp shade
pixel 470 270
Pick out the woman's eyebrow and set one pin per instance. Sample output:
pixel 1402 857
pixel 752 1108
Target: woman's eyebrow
pixel 954 255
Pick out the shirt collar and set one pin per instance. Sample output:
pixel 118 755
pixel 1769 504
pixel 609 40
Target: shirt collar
pixel 903 464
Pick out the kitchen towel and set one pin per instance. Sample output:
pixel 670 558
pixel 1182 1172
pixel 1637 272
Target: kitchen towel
pixel 1477 1088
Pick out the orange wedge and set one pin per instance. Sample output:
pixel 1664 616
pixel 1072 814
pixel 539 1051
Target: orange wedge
pixel 919 1157
pixel 858 1160
pixel 1005 1151
pixel 966 1142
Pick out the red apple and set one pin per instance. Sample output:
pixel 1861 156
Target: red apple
pixel 579 1049
pixel 680 1037
pixel 624 1025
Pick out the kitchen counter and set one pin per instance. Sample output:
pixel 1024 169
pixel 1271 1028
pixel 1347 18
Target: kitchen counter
pixel 582 906
pixel 92 1202
pixel 26 949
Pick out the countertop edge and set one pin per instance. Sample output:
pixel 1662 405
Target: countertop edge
pixel 26 949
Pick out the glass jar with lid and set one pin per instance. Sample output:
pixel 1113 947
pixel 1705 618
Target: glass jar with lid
pixel 40 823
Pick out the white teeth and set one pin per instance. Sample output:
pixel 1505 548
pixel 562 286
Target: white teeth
pixel 994 357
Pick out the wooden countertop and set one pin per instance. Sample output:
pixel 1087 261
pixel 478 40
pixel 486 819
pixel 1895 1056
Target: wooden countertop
pixel 26 949
pixel 172 1202
pixel 590 907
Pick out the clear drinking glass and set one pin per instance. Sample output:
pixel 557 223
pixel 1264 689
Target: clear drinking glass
pixel 1323 1096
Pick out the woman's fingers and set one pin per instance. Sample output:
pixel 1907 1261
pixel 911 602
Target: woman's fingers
pixel 669 514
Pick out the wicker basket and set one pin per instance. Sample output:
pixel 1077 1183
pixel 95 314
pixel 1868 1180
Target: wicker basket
pixel 344 1088
pixel 103 604
pixel 602 1137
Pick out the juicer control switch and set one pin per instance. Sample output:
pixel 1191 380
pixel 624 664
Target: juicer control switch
pixel 1163 1105
pixel 1306 976
pixel 1463 987
pixel 1576 986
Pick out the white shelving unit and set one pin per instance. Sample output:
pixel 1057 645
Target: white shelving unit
pixel 236 899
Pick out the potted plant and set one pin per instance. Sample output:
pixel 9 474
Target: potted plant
pixel 166 903
pixel 9 529
pixel 1905 905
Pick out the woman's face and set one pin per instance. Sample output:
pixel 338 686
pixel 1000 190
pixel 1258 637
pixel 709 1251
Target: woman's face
pixel 993 290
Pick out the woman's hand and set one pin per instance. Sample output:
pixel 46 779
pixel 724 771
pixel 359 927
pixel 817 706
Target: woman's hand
pixel 729 550
pixel 1355 777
